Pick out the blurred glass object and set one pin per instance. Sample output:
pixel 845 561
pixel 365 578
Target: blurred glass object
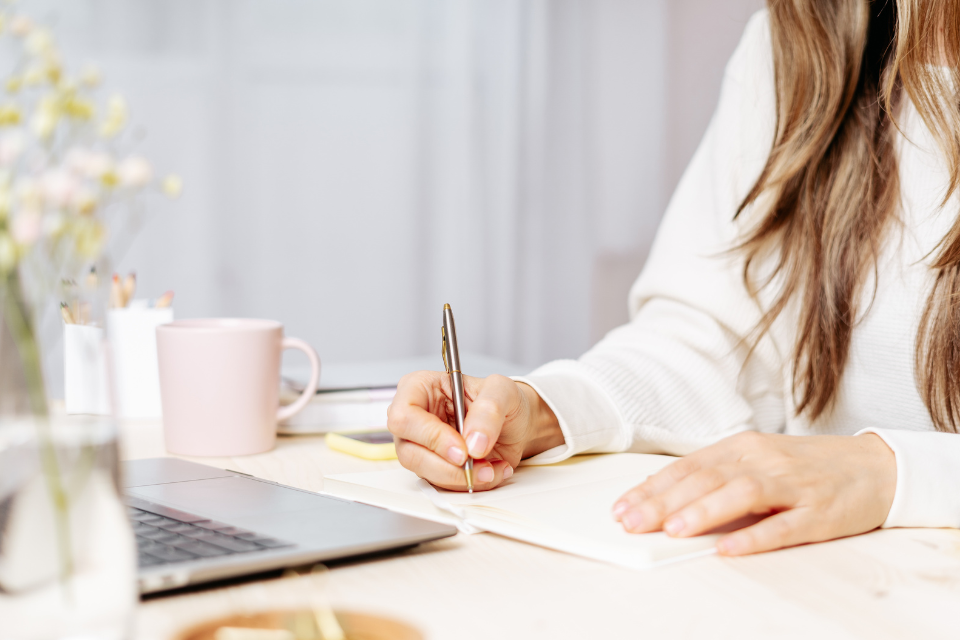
pixel 67 552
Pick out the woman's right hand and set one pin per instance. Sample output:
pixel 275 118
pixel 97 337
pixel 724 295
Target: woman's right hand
pixel 506 422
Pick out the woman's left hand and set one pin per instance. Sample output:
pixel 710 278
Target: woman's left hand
pixel 812 487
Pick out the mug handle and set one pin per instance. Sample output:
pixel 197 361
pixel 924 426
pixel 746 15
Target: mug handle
pixel 311 389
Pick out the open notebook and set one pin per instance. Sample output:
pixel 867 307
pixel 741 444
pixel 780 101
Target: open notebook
pixel 564 506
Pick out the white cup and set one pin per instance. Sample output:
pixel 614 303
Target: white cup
pixel 133 342
pixel 85 387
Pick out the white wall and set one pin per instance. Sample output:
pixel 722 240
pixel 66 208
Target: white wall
pixel 350 165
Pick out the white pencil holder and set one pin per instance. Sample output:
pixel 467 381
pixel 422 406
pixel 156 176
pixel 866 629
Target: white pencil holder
pixel 133 342
pixel 85 383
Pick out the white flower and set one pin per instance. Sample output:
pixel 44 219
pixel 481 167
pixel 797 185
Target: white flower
pixel 33 76
pixel 39 41
pixel 52 224
pixel 26 226
pixel 29 193
pixel 90 77
pixel 59 187
pixel 134 172
pixel 84 201
pixel 45 118
pixel 21 25
pixel 11 146
pixel 98 164
pixel 116 116
pixel 172 185
pixel 87 163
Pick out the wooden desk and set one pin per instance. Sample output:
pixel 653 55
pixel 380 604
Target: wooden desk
pixel 887 584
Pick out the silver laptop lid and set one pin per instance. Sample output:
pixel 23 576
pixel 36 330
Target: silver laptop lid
pixel 196 523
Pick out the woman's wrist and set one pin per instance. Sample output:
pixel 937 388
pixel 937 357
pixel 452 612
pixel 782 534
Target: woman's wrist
pixel 885 470
pixel 544 427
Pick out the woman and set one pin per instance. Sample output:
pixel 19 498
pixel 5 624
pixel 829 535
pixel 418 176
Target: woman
pixel 796 331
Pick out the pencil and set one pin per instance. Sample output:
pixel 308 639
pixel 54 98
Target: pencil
pixel 70 292
pixel 92 278
pixel 116 293
pixel 65 313
pixel 164 301
pixel 129 287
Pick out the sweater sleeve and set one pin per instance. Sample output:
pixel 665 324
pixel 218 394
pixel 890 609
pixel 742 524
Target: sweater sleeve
pixel 927 478
pixel 678 377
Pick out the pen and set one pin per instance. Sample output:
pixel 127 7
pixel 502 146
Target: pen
pixel 116 293
pixel 66 314
pixel 451 362
pixel 92 278
pixel 164 301
pixel 129 288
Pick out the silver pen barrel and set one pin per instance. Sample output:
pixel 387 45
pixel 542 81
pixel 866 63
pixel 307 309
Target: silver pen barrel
pixel 460 410
pixel 451 356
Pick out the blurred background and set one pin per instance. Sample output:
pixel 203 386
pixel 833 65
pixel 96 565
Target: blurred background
pixel 351 165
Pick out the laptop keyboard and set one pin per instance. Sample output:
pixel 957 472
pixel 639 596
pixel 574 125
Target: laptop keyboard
pixel 164 540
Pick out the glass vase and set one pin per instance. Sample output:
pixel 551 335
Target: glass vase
pixel 67 558
pixel 67 552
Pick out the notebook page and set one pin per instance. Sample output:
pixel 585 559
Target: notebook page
pixel 566 506
pixel 578 520
pixel 534 480
pixel 399 486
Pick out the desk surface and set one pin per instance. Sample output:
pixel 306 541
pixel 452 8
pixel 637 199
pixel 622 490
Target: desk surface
pixel 887 584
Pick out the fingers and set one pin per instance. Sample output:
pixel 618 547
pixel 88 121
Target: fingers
pixel 654 486
pixel 487 474
pixel 650 517
pixel 429 445
pixel 497 397
pixel 735 499
pixel 659 511
pixel 409 419
pixel 784 529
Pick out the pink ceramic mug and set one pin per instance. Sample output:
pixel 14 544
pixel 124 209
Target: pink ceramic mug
pixel 220 385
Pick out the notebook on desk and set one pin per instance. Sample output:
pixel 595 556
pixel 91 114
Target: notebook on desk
pixel 565 506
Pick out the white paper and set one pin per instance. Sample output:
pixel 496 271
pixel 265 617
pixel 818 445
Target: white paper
pixel 566 506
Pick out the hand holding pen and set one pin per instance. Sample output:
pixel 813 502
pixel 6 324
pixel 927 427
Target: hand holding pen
pixel 505 422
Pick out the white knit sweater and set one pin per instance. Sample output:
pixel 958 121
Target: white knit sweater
pixel 674 379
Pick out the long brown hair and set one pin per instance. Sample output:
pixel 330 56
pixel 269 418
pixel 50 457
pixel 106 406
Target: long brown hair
pixel 842 70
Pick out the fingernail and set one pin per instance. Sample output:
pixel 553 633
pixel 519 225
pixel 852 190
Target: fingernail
pixel 485 474
pixel 477 444
pixel 673 526
pixel 507 472
pixel 456 456
pixel 728 546
pixel 632 520
pixel 619 509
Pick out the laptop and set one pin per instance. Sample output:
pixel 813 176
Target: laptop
pixel 197 524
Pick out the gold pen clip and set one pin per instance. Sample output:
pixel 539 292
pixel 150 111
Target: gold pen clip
pixel 443 349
